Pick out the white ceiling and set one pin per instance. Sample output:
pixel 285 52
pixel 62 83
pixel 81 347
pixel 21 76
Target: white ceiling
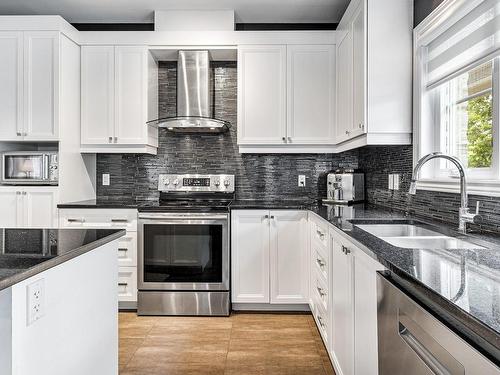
pixel 114 11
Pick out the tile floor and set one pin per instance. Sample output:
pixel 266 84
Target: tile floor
pixel 278 344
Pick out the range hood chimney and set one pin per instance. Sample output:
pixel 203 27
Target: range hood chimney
pixel 195 97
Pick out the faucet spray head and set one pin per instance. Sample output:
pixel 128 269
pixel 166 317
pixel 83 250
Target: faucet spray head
pixel 413 187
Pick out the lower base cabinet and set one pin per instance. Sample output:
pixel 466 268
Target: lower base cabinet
pixel 127 245
pixel 269 257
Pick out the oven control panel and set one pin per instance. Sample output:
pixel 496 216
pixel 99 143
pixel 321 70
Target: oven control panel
pixel 196 182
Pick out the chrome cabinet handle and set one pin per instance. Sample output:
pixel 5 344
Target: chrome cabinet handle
pixel 24 193
pixel 18 193
pixel 289 139
pixel 76 220
pixel 122 284
pixel 360 125
pixel 119 220
pixel 320 262
pixel 116 139
pixel 284 139
pixel 19 134
pixel 110 139
pixel 347 132
pixel 345 250
pixel 321 291
pixel 272 216
pixel 124 249
pixel 320 320
pixel 266 216
pixel 320 233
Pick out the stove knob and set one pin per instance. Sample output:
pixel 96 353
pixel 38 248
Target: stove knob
pixel 217 182
pixel 176 182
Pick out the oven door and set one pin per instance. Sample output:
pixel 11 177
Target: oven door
pixel 183 252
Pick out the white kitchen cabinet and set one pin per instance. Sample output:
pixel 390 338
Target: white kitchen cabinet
pixel 374 76
pixel 98 94
pixel 269 255
pixel 342 306
pixel 29 96
pixel 289 263
pixel 11 92
pixel 250 258
pixel 118 99
pixel 28 207
pixel 262 94
pixel 311 94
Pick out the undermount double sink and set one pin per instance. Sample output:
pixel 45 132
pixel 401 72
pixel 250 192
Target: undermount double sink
pixel 410 236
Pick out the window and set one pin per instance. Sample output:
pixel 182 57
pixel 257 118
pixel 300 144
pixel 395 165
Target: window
pixel 466 122
pixel 457 93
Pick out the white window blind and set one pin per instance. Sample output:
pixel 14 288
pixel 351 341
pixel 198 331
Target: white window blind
pixel 470 41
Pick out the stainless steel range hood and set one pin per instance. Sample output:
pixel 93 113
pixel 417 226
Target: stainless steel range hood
pixel 195 97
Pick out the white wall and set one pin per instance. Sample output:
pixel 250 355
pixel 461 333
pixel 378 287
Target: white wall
pixel 78 334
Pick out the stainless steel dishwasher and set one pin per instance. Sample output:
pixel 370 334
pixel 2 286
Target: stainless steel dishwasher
pixel 412 342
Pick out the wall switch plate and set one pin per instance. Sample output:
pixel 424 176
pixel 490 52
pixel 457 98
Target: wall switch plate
pixel 36 301
pixel 391 182
pixel 395 181
pixel 105 179
pixel 302 180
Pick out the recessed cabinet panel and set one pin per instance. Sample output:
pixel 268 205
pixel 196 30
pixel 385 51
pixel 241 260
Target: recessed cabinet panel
pixel 131 82
pixel 359 73
pixel 11 77
pixel 289 257
pixel 262 94
pixel 311 94
pixel 98 93
pixel 10 201
pixel 41 85
pixel 344 88
pixel 40 208
pixel 250 256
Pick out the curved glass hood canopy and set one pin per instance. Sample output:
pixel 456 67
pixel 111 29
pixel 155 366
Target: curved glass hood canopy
pixel 195 97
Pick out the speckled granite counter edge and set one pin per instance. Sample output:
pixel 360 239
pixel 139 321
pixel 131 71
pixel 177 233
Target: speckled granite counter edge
pixel 60 259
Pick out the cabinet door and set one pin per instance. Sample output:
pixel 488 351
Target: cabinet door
pixel 40 208
pixel 365 313
pixel 11 92
pixel 11 202
pixel 98 94
pixel 311 94
pixel 250 256
pixel 359 72
pixel 262 95
pixel 131 86
pixel 289 257
pixel 41 85
pixel 344 88
pixel 342 308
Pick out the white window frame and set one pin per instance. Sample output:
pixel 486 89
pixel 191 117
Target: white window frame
pixel 426 138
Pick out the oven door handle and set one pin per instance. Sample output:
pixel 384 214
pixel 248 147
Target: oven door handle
pixel 163 216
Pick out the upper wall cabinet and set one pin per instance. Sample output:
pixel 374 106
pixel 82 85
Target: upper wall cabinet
pixel 119 95
pixel 374 74
pixel 29 95
pixel 286 98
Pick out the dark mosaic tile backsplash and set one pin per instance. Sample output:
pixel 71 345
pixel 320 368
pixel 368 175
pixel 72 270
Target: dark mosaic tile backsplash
pixel 268 176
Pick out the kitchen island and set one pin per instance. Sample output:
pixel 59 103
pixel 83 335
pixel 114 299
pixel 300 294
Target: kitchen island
pixel 58 301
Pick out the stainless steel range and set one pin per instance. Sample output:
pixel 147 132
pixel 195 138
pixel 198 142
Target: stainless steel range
pixel 184 247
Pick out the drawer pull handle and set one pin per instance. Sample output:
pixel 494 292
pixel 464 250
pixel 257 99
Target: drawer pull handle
pixel 266 216
pixel 345 250
pixel 123 249
pixel 320 262
pixel 320 234
pixel 122 284
pixel 76 220
pixel 119 220
pixel 320 320
pixel 321 291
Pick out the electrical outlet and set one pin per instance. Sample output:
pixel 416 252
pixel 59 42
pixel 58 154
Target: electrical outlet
pixel 391 182
pixel 302 180
pixel 105 179
pixel 396 181
pixel 36 301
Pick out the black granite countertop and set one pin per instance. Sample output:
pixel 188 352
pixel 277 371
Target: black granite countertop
pixel 460 287
pixel 27 252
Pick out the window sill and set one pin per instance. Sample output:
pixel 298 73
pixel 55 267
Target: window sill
pixel 490 188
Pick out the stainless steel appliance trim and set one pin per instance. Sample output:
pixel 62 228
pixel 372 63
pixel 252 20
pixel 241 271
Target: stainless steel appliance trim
pixel 217 183
pixel 183 303
pixel 166 219
pixel 412 341
pixel 182 216
pixel 46 165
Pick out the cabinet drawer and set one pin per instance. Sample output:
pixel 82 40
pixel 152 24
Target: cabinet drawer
pixel 321 318
pixel 127 284
pixel 127 250
pixel 319 262
pixel 320 290
pixel 319 232
pixel 97 218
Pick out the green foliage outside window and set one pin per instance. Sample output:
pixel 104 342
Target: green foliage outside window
pixel 479 132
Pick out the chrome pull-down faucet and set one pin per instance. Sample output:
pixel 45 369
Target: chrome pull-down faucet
pixel 464 215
